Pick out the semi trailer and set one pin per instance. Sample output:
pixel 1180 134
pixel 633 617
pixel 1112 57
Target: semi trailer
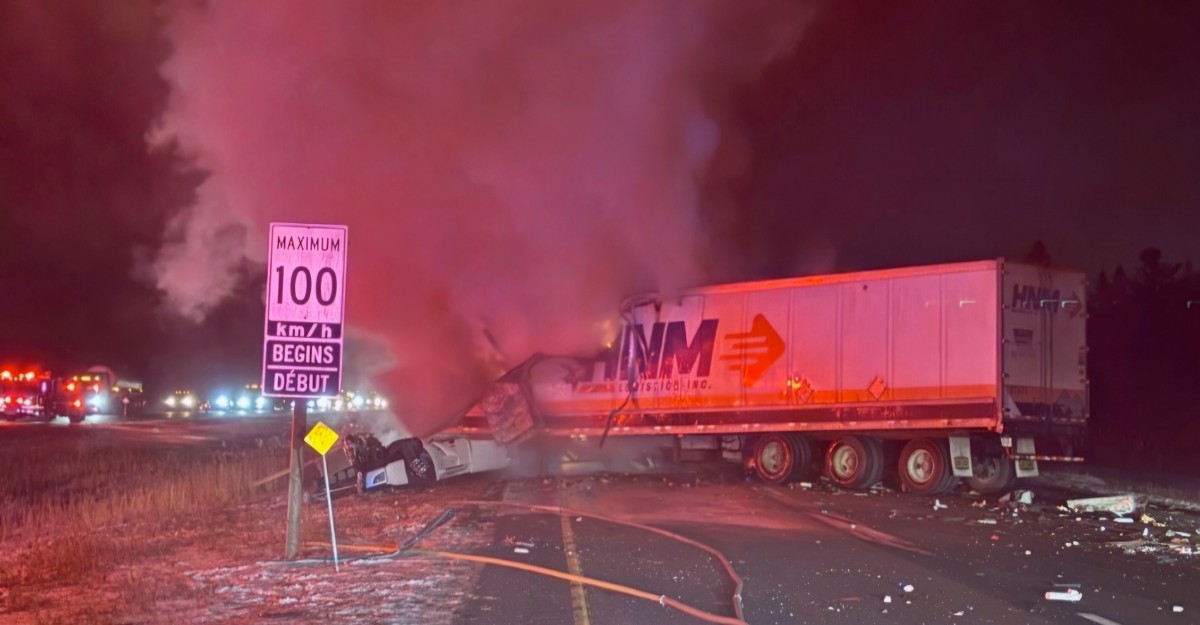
pixel 973 370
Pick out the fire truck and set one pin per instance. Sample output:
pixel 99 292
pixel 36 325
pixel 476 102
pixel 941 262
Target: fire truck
pixel 23 394
pixel 972 370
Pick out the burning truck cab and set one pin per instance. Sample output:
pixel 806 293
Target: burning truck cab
pixel 364 462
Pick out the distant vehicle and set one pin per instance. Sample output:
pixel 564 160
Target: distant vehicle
pixel 184 400
pixel 249 398
pixel 101 392
pixel 22 394
pixel 68 397
pixel 975 370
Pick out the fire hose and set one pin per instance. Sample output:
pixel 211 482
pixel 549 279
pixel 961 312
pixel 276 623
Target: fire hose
pixel 394 551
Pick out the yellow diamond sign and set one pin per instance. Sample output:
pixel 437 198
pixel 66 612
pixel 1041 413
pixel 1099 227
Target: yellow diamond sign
pixel 321 438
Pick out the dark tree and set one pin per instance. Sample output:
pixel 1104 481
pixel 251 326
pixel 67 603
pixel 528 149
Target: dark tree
pixel 1038 255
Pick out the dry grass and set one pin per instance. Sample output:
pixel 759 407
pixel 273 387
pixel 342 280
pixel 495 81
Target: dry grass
pixel 106 487
pixel 85 518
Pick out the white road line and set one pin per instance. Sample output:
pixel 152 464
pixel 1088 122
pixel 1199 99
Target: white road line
pixel 1099 620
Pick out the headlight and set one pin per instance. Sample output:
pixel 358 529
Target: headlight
pixel 323 403
pixel 222 402
pixel 170 402
pixel 243 402
pixel 260 403
pixel 357 401
pixel 188 401
pixel 96 401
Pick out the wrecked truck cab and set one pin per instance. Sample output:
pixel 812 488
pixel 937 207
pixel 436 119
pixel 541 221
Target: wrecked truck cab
pixel 370 464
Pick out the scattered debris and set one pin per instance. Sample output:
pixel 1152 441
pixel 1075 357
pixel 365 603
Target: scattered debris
pixel 520 550
pixel 1117 504
pixel 986 522
pixel 938 505
pixel 1149 520
pixel 1070 594
pixel 887 598
pixel 908 588
pixel 1177 609
pixel 959 613
pixel 1123 520
pixel 1018 497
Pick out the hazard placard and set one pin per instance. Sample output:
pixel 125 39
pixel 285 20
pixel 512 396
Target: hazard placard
pixel 321 437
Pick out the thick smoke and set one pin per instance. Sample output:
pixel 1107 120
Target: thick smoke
pixel 518 166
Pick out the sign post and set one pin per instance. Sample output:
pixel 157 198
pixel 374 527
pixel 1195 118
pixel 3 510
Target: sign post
pixel 303 333
pixel 321 438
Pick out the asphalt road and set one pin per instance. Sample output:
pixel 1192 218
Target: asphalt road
pixel 183 428
pixel 805 555
pixel 827 556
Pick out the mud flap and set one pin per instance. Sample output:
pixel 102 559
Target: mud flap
pixel 1026 467
pixel 960 456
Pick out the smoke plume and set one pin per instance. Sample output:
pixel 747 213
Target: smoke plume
pixel 517 167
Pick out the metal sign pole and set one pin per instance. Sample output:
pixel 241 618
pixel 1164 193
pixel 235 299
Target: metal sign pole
pixel 329 500
pixel 296 481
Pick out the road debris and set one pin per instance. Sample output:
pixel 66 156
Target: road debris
pixel 938 505
pixel 1149 520
pixel 887 598
pixel 908 588
pixel 1177 609
pixel 520 550
pixel 1116 504
pixel 986 522
pixel 1018 497
pixel 1070 594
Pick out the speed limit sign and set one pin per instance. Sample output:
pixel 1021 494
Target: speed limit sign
pixel 306 301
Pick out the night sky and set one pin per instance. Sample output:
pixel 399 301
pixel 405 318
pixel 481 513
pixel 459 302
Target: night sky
pixel 894 134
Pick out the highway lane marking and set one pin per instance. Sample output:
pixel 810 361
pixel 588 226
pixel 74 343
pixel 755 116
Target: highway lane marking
pixel 579 609
pixel 1099 620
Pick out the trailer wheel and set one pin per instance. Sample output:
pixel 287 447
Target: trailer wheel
pixel 994 474
pixel 925 467
pixel 781 458
pixel 854 461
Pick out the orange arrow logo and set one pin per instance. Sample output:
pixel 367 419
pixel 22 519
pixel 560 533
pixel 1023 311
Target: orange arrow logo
pixel 755 351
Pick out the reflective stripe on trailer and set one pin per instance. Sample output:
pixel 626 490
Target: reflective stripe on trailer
pixel 1046 458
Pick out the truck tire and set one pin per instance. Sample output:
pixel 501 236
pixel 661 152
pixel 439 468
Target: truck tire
pixel 781 458
pixel 420 468
pixel 994 474
pixel 854 462
pixel 924 467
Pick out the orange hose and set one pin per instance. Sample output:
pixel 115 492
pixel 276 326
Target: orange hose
pixel 737 591
pixel 633 592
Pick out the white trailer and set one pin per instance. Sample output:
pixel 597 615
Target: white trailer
pixel 973 370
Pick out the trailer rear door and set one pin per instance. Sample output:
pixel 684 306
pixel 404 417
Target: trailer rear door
pixel 1045 345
